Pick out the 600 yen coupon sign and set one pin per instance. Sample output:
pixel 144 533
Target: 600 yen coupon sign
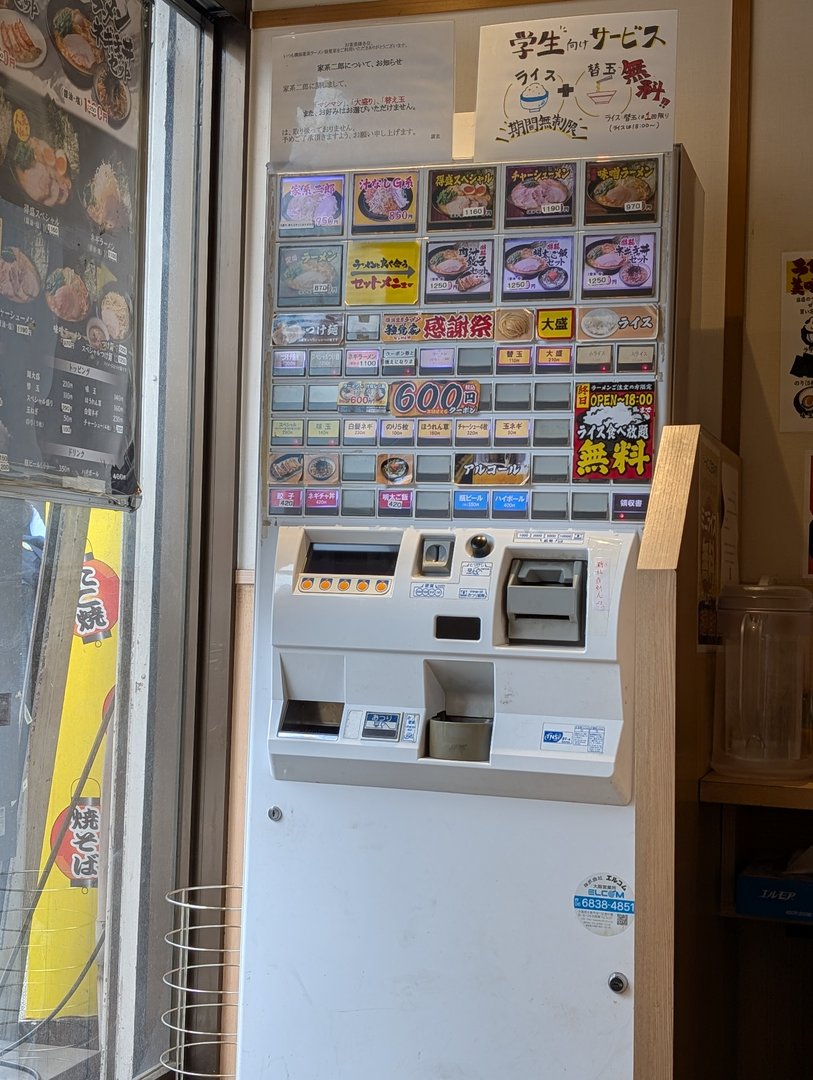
pixel 434 397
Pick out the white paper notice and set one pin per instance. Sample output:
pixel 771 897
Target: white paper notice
pixel 585 85
pixel 380 95
pixel 796 347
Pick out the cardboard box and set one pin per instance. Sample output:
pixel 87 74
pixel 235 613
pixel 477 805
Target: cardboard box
pixel 765 893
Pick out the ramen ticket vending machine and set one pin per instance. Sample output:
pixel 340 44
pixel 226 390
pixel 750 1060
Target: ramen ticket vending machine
pixel 467 370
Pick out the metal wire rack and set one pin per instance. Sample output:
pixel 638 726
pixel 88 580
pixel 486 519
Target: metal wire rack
pixel 202 1019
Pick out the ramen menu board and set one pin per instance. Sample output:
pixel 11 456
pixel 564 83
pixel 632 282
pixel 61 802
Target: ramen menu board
pixel 470 341
pixel 70 89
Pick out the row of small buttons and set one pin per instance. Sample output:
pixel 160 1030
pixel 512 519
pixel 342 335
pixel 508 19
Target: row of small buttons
pixel 344 584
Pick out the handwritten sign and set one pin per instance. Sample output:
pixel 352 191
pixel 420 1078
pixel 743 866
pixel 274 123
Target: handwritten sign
pixel 589 84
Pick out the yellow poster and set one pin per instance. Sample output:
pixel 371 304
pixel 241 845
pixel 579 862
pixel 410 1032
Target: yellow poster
pixel 382 272
pixel 64 928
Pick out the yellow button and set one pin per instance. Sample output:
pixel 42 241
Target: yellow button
pixel 381 586
pixel 325 584
pixel 344 586
pixel 363 586
pixel 306 583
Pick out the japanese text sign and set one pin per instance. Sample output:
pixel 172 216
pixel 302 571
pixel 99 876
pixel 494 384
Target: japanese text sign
pixel 614 431
pixel 383 272
pixel 379 96
pixel 602 84
pixel 796 349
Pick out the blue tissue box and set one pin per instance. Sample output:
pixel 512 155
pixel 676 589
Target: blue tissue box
pixel 763 893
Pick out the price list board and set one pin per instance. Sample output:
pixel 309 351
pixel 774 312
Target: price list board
pixel 473 341
pixel 70 134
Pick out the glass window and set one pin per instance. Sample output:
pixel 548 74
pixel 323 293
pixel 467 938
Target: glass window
pixel 97 664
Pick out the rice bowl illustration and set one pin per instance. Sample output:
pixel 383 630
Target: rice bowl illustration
pixel 534 97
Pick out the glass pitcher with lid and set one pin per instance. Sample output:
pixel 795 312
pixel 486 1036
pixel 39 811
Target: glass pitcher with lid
pixel 763 709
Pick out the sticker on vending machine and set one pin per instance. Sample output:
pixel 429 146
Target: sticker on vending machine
pixel 604 904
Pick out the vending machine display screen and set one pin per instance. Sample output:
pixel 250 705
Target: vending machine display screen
pixel 374 560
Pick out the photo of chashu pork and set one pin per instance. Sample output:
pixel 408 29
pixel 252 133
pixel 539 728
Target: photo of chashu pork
pixel 19 280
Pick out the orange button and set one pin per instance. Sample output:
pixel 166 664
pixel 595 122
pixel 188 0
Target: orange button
pixel 306 583
pixel 325 584
pixel 344 585
pixel 382 586
pixel 363 586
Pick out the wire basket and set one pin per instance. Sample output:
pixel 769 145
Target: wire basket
pixel 205 944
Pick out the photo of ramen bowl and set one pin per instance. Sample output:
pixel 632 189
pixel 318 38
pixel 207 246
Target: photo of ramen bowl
pixel 526 261
pixel 604 256
pixel 384 202
pixel 448 263
pixel 618 192
pixel 70 25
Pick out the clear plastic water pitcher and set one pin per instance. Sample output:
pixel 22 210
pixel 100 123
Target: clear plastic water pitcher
pixel 763 721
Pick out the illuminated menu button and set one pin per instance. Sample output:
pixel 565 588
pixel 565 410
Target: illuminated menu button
pixel 325 583
pixel 306 583
pixel 344 585
pixel 382 586
pixel 362 586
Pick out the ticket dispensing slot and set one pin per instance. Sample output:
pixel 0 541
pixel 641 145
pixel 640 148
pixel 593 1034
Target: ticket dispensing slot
pixel 545 601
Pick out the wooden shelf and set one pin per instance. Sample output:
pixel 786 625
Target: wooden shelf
pixel 783 794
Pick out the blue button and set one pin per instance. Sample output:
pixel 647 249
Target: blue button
pixel 510 502
pixel 471 501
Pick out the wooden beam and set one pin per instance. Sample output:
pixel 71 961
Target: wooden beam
pixel 372 9
pixel 739 130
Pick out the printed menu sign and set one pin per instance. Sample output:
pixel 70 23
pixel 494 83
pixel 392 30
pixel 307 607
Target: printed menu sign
pixel 492 469
pixel 69 131
pixel 309 275
pixel 462 198
pixel 311 205
pixel 604 83
pixel 623 265
pixel 380 96
pixel 462 271
pixel 796 343
pixel 539 194
pixel 382 272
pixel 614 431
pixel 619 191
pixel 537 267
pixel 385 202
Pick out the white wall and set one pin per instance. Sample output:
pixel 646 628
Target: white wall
pixel 780 218
pixel 702 126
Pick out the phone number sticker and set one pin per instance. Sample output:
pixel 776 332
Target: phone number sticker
pixel 604 904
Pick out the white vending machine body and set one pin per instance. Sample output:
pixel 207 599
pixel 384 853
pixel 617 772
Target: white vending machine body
pixel 420 917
